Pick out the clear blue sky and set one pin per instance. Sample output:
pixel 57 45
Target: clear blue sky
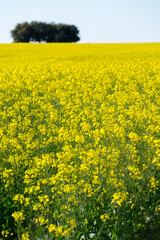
pixel 99 21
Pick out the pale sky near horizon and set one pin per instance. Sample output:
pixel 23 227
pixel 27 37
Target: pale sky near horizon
pixel 99 21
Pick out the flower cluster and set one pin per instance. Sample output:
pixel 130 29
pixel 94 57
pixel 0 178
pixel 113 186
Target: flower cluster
pixel 79 140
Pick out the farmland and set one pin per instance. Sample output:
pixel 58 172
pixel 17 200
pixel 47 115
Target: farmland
pixel 79 141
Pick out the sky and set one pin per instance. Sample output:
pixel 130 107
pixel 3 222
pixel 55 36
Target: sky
pixel 99 21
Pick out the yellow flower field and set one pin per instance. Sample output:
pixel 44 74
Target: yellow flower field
pixel 79 141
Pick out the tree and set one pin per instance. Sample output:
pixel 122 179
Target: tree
pixel 21 33
pixel 67 33
pixel 51 33
pixel 47 32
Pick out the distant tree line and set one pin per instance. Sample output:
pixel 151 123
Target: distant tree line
pixel 45 32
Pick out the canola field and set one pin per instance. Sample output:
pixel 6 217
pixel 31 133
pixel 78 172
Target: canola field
pixel 79 141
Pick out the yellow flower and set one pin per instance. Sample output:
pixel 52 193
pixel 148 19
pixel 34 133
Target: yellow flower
pixel 119 197
pixel 18 216
pixel 105 217
pixel 52 228
pixel 5 233
pixel 25 236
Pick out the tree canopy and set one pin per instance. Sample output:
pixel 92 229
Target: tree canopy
pixel 45 32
